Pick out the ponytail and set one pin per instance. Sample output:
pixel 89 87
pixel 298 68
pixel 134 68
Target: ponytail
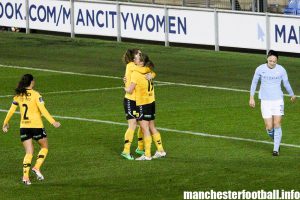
pixel 23 84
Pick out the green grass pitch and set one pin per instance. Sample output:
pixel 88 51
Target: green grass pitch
pixel 84 154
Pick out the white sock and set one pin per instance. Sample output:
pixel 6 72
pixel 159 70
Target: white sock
pixel 277 138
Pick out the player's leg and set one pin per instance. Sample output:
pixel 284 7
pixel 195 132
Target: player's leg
pixel 266 111
pixel 157 140
pixel 269 126
pixel 147 140
pixel 140 149
pixel 277 134
pixel 128 137
pixel 140 136
pixel 129 108
pixel 28 146
pixel 277 112
pixel 43 142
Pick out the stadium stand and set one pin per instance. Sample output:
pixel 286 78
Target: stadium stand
pixel 273 6
pixel 293 8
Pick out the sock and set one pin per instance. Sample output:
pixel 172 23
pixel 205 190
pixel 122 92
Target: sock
pixel 41 158
pixel 277 138
pixel 148 141
pixel 140 139
pixel 26 165
pixel 271 133
pixel 128 139
pixel 157 140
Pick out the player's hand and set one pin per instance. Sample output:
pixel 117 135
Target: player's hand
pixel 293 98
pixel 5 128
pixel 56 124
pixel 252 102
pixel 148 76
pixel 124 79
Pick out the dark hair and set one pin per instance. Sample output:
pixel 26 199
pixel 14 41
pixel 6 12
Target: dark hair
pixel 24 82
pixel 129 55
pixel 272 53
pixel 146 60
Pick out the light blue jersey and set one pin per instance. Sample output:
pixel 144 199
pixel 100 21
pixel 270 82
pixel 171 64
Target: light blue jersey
pixel 270 87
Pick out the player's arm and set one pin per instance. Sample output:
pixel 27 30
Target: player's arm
pixel 45 113
pixel 130 88
pixel 10 113
pixel 151 75
pixel 287 86
pixel 255 80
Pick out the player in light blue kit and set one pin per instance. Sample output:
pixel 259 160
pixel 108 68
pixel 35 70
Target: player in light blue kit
pixel 272 105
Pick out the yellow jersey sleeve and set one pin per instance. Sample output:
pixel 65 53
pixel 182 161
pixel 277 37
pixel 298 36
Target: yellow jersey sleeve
pixel 11 111
pixel 41 105
pixel 129 70
pixel 153 74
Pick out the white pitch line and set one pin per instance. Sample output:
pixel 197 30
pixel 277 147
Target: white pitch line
pixel 114 77
pixel 72 91
pixel 79 91
pixel 172 130
pixel 60 72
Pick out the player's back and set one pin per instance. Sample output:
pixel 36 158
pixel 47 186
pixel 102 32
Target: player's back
pixel 144 90
pixel 30 113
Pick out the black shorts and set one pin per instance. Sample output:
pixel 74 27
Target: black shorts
pixel 32 133
pixel 146 112
pixel 130 109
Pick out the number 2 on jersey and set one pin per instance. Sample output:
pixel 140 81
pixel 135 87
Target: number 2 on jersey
pixel 25 113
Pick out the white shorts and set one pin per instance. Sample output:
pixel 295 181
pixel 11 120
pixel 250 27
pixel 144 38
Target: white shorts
pixel 270 108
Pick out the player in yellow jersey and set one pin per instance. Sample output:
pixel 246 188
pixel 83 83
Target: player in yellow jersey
pixel 32 108
pixel 130 106
pixel 145 102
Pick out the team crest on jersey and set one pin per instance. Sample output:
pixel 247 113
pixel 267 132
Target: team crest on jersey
pixel 41 100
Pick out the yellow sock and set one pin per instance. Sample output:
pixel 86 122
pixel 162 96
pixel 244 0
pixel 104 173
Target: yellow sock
pixel 157 140
pixel 26 165
pixel 41 158
pixel 140 139
pixel 128 139
pixel 148 141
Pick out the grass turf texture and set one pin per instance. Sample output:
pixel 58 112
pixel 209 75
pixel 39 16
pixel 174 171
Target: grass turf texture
pixel 84 160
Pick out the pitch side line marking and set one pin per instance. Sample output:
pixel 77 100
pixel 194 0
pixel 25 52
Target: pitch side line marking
pixel 114 77
pixel 60 72
pixel 171 130
pixel 71 91
pixel 79 91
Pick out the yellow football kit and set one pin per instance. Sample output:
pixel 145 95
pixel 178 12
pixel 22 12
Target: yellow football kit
pixel 130 106
pixel 31 125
